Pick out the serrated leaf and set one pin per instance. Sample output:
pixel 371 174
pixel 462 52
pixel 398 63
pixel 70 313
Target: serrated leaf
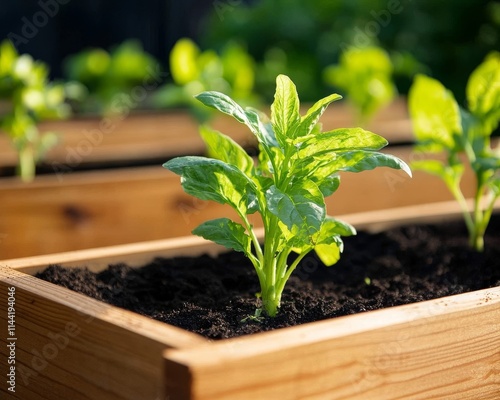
pixel 224 148
pixel 225 232
pixel 285 114
pixel 434 113
pixel 210 179
pixel 302 207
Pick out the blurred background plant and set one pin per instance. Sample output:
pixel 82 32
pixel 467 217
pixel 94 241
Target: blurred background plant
pixel 105 75
pixel 28 97
pixel 364 76
pixel 231 71
pixel 240 46
pixel 300 39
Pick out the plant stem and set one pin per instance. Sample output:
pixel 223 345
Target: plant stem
pixel 26 168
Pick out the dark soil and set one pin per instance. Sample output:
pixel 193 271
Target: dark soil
pixel 212 296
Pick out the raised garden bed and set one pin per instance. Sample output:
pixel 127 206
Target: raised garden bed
pixel 445 347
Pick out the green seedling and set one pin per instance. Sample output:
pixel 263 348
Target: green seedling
pixel 29 98
pixel 464 136
pixel 297 167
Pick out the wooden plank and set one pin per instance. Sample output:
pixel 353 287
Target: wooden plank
pixel 136 254
pixel 153 135
pixel 102 208
pixel 444 348
pixel 72 347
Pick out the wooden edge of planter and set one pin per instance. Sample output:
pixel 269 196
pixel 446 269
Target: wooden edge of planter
pixel 96 259
pixel 75 347
pixel 443 348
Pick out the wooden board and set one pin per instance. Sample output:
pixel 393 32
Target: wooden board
pixel 72 347
pixel 447 348
pixel 144 136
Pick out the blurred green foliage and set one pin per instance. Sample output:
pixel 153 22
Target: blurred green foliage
pixel 301 38
pixel 105 75
pixel 231 71
pixel 28 98
pixel 365 75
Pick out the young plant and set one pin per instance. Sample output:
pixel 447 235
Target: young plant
pixel 442 126
pixel 298 166
pixel 30 97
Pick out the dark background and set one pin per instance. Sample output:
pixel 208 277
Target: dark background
pixel 79 24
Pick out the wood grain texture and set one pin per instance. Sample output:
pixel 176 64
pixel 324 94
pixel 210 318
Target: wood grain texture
pixel 94 209
pixel 72 347
pixel 447 348
pixel 141 136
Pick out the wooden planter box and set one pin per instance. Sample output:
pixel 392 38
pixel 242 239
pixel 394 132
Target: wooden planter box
pixel 69 346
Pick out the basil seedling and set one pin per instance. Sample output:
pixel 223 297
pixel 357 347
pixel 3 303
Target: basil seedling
pixel 298 166
pixel 464 136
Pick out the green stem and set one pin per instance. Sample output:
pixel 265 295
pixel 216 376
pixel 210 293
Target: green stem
pixel 27 166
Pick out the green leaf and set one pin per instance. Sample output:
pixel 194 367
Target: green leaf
pixel 285 113
pixel 249 117
pixel 434 113
pixel 340 140
pixel 329 245
pixel 328 185
pixel 333 226
pixel 210 179
pixel 224 148
pixel 225 232
pixel 224 104
pixel 494 185
pixel 483 91
pixel 361 160
pixel 329 254
pixel 183 61
pixel 301 206
pixel 309 121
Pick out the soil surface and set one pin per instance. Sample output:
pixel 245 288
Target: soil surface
pixel 212 296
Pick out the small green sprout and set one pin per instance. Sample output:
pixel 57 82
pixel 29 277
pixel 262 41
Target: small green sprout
pixel 30 98
pixel 298 166
pixel 442 126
